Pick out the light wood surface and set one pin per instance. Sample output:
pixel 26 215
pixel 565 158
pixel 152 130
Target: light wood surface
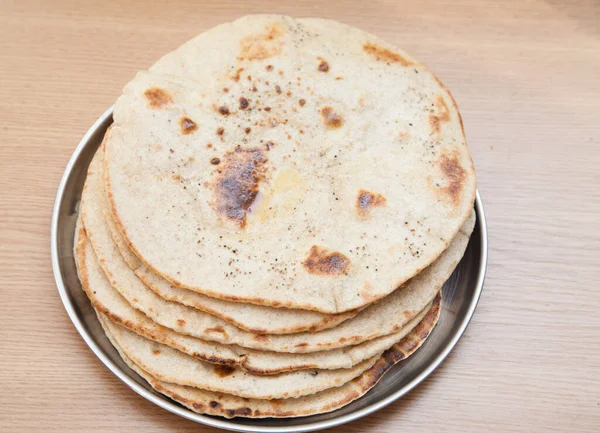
pixel 526 75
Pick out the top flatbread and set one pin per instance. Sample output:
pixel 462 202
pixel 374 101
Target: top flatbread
pixel 298 163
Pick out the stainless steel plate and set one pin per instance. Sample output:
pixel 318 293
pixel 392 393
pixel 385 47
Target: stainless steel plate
pixel 460 296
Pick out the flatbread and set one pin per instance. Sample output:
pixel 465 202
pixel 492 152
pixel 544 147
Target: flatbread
pixel 230 406
pixel 314 165
pixel 377 320
pixel 173 366
pixel 252 318
pixel 112 305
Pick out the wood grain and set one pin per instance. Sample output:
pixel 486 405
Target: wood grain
pixel 526 75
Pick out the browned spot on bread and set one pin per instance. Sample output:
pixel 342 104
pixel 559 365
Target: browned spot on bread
pixel 367 200
pixel 236 76
pixel 367 292
pixel 331 118
pixel 156 352
pixel 301 345
pixel 321 261
pixel 385 55
pixel 223 370
pixel 236 183
pixel 198 406
pixel 215 161
pixel 403 135
pixel 244 103
pixel 263 45
pixel 323 66
pixel 441 114
pixel 214 404
pixel 224 110
pixel 455 175
pixel 261 337
pixel 220 130
pixel 157 97
pixel 181 322
pixel 242 411
pixel 302 102
pixel 187 125
pixel 269 68
pixel 215 329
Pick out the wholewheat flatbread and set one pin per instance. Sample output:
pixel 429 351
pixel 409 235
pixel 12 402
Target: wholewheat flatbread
pixel 230 406
pixel 288 162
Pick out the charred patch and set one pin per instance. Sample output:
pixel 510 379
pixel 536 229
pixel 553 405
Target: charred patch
pixel 321 261
pixel 220 130
pixel 263 45
pixel 302 102
pixel 382 54
pixel 236 184
pixel 441 114
pixel 223 110
pixel 455 175
pixel 214 404
pixel 157 97
pixel 331 118
pixel 215 161
pixel 242 411
pixel 367 200
pixel 323 65
pixel 244 103
pixel 223 370
pixel 187 125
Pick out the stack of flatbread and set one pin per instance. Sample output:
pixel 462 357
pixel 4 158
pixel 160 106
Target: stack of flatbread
pixel 269 221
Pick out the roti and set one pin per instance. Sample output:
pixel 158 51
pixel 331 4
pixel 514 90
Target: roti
pixel 282 162
pixel 230 406
pixel 172 366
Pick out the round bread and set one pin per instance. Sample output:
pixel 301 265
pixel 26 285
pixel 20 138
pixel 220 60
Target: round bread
pixel 230 406
pixel 298 163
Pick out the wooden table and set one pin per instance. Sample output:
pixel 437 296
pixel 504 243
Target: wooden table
pixel 526 75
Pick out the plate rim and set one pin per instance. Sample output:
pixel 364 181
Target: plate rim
pixel 225 423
